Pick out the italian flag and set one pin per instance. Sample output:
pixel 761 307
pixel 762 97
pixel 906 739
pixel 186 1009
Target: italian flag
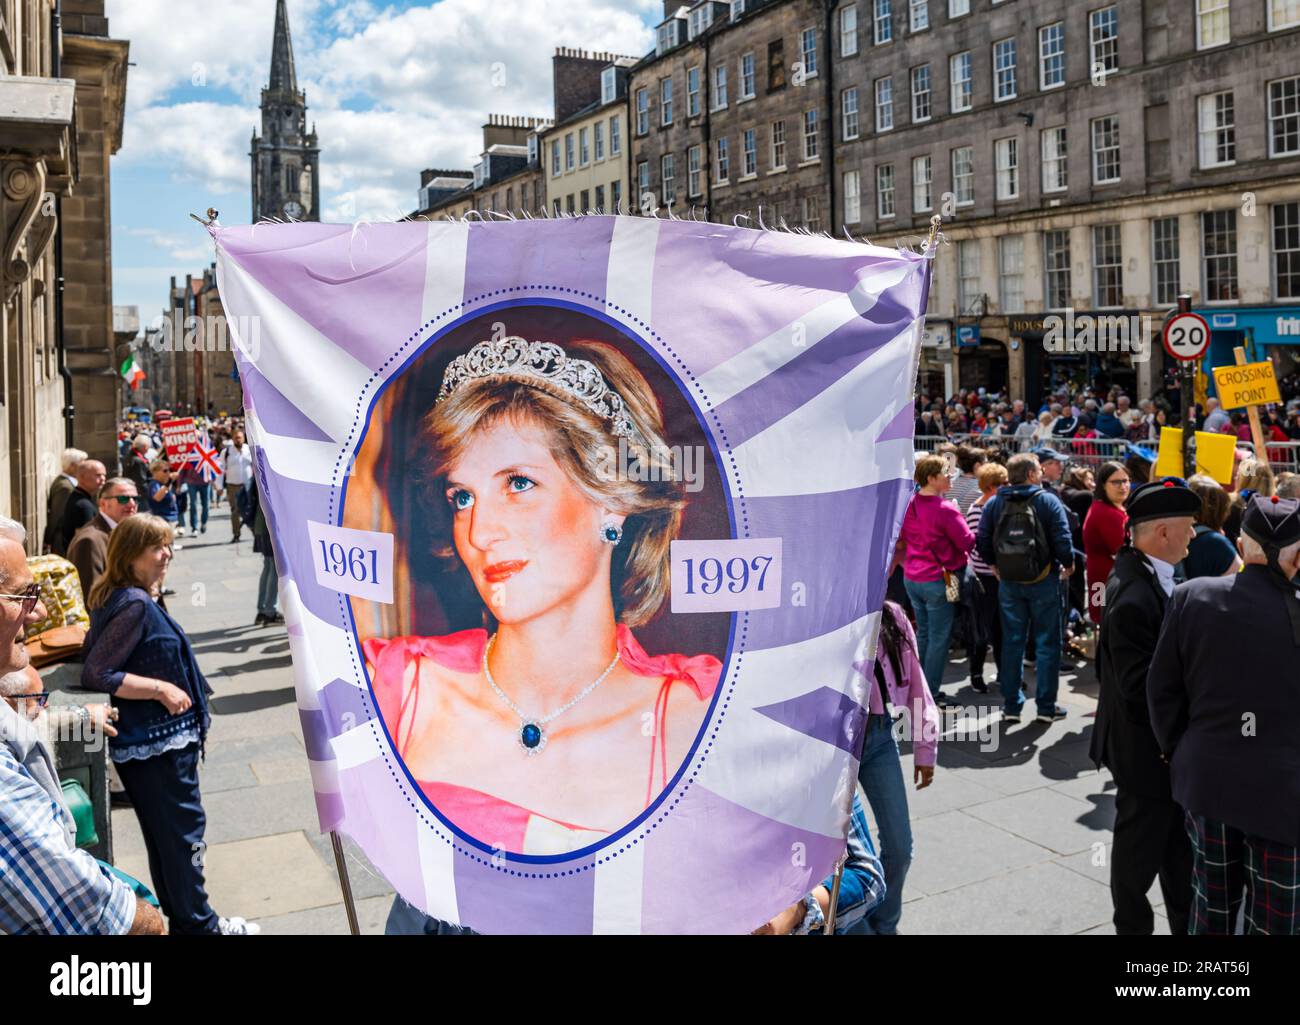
pixel 131 372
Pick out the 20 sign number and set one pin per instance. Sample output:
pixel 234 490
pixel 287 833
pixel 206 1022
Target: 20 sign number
pixel 1187 336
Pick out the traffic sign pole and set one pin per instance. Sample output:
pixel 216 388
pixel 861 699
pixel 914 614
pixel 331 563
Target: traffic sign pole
pixel 1188 385
pixel 1186 337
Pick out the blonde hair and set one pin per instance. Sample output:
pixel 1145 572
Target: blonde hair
pixel 1256 475
pixel 581 443
pixel 130 539
pixel 927 467
pixel 991 476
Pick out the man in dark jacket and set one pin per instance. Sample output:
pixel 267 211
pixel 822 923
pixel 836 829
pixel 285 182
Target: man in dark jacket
pixel 136 468
pixel 82 507
pixel 1108 424
pixel 268 614
pixel 1149 836
pixel 1225 709
pixel 89 548
pixel 1032 604
pixel 57 500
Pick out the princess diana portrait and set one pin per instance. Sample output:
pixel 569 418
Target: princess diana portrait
pixel 542 725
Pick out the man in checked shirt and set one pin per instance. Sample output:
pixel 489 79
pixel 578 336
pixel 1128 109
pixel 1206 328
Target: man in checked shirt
pixel 47 885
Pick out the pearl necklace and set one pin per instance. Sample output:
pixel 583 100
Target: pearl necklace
pixel 532 737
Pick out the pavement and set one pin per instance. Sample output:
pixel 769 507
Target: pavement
pixel 266 858
pixel 1013 836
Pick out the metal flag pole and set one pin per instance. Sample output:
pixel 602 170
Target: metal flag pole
pixel 835 892
pixel 935 223
pixel 345 883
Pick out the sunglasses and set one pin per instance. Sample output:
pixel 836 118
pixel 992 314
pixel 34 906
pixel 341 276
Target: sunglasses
pixel 124 499
pixel 42 699
pixel 30 596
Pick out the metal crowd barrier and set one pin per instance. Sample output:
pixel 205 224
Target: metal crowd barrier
pixel 1283 456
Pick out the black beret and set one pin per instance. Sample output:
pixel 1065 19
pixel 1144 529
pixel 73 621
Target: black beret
pixel 1157 499
pixel 1273 522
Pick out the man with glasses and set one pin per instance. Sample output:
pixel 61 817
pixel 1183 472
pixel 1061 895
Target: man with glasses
pixel 88 551
pixel 47 885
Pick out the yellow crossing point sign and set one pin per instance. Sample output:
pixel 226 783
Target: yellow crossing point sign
pixel 1253 384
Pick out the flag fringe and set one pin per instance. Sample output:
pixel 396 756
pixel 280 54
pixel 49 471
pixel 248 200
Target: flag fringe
pixel 926 245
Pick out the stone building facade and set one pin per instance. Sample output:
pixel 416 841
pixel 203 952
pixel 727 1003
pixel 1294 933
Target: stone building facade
pixel 507 175
pixel 438 184
pixel 729 113
pixel 61 94
pixel 513 173
pixel 1095 158
pixel 584 156
pixel 175 352
pixel 217 389
pixel 1099 158
pixel 37 159
pixel 98 63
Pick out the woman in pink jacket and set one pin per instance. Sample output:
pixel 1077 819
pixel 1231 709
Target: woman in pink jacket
pixel 897 677
pixel 934 540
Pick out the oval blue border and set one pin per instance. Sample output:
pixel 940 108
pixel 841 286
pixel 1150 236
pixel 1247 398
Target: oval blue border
pixel 623 329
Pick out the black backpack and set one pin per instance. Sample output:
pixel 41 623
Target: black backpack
pixel 1020 546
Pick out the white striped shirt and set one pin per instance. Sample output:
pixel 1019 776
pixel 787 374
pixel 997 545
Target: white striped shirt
pixel 965 489
pixel 973 515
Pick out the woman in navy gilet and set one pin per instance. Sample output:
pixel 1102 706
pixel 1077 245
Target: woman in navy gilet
pixel 137 653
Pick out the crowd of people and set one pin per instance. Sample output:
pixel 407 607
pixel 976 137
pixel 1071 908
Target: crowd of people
pixel 1041 558
pixel 1096 413
pixel 108 543
pixel 84 504
pixel 1031 556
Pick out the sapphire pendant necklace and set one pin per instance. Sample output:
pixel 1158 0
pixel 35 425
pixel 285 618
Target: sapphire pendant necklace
pixel 532 733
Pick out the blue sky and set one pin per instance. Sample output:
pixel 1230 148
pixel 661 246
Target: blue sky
pixel 392 85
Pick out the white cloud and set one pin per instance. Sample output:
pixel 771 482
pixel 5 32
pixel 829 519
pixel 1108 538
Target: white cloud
pixel 391 92
pixel 206 144
pixel 462 59
pixel 184 249
pixel 227 44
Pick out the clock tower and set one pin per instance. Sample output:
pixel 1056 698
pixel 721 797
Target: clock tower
pixel 286 158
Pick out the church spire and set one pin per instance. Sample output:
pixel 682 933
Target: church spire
pixel 286 156
pixel 283 76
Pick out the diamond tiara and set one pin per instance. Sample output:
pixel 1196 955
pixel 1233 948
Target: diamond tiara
pixel 546 362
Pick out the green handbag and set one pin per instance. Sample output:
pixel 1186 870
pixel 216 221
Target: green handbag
pixel 83 812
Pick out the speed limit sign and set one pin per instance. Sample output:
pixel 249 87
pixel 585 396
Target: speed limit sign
pixel 1187 336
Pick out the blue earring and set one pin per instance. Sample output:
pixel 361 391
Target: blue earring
pixel 611 534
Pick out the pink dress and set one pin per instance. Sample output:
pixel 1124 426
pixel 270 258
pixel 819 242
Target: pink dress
pixel 481 815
